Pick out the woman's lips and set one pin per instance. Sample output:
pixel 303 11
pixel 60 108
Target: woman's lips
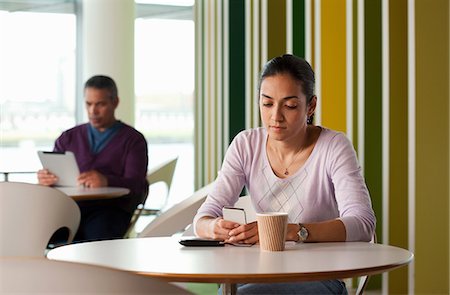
pixel 277 128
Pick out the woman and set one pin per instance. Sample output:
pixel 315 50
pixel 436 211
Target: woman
pixel 290 165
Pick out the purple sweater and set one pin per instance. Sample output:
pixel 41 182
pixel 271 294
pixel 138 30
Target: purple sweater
pixel 123 160
pixel 328 186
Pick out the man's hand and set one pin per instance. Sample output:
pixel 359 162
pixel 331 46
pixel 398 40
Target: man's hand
pixel 47 178
pixel 92 178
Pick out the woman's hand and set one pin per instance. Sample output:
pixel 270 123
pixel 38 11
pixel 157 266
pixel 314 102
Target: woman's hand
pixel 244 233
pixel 45 177
pixel 228 231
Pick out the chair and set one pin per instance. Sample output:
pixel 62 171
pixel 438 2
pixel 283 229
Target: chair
pixel 178 217
pixel 363 280
pixel 26 275
pixel 160 173
pixel 30 214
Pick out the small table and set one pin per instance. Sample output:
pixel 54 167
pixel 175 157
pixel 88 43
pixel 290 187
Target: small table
pixel 165 258
pixel 80 193
pixel 6 173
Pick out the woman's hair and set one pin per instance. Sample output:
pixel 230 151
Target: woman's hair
pixel 298 68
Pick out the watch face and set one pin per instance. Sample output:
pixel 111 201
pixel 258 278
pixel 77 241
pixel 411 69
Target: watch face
pixel 303 233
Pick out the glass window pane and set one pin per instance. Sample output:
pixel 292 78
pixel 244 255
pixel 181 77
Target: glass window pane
pixel 164 80
pixel 37 85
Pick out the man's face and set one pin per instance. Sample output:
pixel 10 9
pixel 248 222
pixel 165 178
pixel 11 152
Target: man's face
pixel 100 107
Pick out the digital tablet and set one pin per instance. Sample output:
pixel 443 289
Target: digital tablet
pixel 63 165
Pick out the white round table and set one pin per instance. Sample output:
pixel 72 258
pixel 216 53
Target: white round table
pixel 80 193
pixel 165 258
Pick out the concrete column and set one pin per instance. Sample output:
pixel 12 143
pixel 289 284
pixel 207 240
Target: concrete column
pixel 108 47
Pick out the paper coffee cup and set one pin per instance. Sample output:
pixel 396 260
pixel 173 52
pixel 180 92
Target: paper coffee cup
pixel 272 227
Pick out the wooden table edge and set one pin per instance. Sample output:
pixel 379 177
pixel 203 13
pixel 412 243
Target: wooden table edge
pixel 274 277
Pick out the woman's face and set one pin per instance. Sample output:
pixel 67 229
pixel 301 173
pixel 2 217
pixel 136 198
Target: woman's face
pixel 283 107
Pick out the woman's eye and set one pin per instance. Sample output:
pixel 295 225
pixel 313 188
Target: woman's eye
pixel 291 106
pixel 267 104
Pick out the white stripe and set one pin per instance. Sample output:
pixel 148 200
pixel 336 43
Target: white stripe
pixel 349 58
pixel 226 77
pixel 213 92
pixel 289 27
pixel 317 63
pixel 361 84
pixel 256 64
pixel 219 89
pixel 248 65
pixel 199 95
pixel 263 32
pixel 385 130
pixel 411 140
pixel 206 98
pixel 308 35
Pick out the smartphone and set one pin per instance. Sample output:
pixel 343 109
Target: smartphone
pixel 198 242
pixel 234 214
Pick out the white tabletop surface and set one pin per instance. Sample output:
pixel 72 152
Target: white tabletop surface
pixel 165 258
pixel 84 193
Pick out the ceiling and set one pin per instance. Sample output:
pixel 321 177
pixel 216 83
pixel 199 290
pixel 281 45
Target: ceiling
pixel 68 6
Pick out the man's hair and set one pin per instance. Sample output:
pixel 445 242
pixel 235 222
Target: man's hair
pixel 103 82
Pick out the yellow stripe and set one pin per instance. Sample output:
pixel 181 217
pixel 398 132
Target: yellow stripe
pixel 276 28
pixel 333 61
pixel 432 147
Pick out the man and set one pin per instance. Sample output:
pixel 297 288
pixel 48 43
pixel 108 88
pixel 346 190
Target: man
pixel 108 153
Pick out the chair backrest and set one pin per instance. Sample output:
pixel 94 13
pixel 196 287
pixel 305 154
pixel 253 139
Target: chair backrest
pixel 178 217
pixel 162 173
pixel 43 276
pixel 30 214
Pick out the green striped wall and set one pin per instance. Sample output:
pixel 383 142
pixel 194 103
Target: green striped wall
pixel 399 111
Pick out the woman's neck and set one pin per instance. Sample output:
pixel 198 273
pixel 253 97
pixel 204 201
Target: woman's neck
pixel 292 146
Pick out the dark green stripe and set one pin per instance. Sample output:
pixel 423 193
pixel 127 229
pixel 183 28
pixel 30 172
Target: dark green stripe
pixel 373 113
pixel 298 28
pixel 236 67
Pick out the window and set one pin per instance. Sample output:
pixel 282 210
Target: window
pixel 164 84
pixel 37 80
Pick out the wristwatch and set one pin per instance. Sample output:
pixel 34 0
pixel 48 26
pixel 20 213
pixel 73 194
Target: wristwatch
pixel 302 233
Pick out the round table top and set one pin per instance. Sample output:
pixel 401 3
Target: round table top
pixel 165 258
pixel 80 193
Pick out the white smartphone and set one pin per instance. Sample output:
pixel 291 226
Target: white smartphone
pixel 234 214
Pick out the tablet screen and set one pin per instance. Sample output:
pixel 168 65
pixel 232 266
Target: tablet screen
pixel 63 165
